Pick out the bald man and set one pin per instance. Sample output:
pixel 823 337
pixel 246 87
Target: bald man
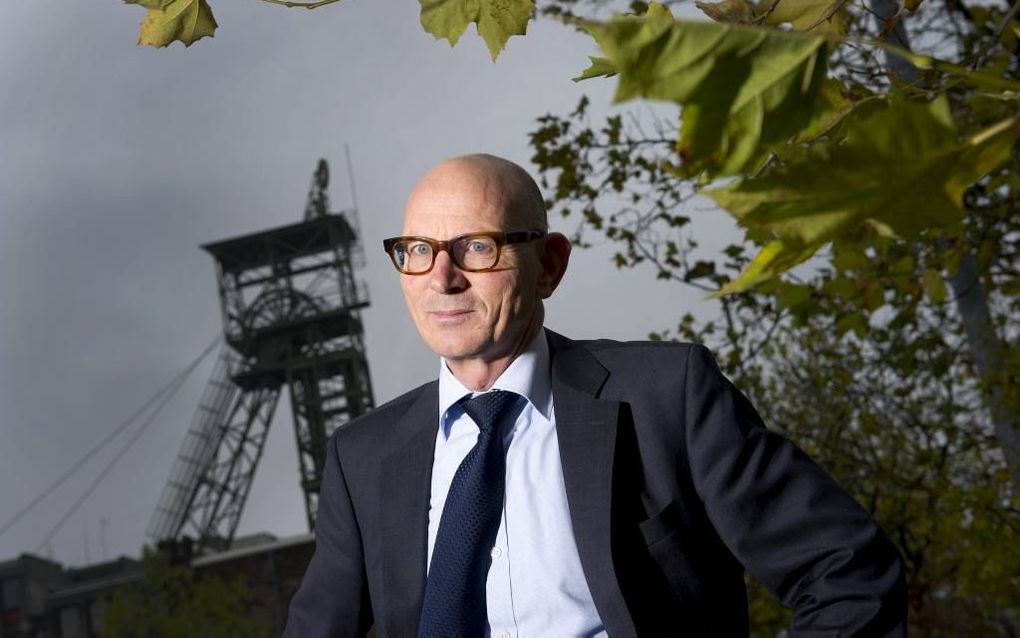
pixel 549 487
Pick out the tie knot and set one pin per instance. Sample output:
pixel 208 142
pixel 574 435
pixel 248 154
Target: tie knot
pixel 488 410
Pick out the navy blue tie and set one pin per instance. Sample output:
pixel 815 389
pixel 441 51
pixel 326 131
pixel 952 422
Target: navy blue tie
pixel 455 591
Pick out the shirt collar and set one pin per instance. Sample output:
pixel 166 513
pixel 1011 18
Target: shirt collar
pixel 529 375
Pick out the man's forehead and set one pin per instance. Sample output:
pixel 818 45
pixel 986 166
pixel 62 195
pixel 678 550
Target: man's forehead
pixel 467 201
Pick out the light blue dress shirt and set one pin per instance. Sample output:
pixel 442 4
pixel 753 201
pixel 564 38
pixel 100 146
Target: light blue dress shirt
pixel 535 585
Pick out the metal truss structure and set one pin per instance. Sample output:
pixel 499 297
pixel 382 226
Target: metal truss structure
pixel 291 314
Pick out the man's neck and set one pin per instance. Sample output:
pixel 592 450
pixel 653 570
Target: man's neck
pixel 478 374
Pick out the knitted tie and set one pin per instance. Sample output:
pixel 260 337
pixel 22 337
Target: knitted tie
pixel 455 591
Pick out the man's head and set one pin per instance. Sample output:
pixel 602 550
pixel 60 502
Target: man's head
pixel 481 319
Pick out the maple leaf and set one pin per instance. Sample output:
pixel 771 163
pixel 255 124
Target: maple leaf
pixel 496 20
pixel 742 89
pixel 901 168
pixel 167 21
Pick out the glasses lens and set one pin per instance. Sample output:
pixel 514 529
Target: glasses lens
pixel 412 256
pixel 476 253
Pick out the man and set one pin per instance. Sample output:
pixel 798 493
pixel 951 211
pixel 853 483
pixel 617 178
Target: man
pixel 544 486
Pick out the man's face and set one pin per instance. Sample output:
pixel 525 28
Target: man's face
pixel 471 315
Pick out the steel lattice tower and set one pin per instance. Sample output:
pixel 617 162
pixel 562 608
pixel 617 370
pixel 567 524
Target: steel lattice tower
pixel 291 315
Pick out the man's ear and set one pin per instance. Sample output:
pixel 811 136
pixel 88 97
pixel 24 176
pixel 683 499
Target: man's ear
pixel 554 258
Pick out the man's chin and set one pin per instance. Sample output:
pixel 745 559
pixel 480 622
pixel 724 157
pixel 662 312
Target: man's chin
pixel 457 355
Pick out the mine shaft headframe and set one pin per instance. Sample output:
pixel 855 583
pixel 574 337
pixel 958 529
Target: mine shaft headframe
pixel 292 323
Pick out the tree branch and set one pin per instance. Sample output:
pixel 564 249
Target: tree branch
pixel 302 5
pixel 1006 18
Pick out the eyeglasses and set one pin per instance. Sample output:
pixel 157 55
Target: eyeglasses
pixel 473 252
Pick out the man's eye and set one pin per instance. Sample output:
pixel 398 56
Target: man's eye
pixel 419 249
pixel 479 246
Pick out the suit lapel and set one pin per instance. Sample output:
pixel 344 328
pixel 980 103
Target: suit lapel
pixel 586 427
pixel 406 478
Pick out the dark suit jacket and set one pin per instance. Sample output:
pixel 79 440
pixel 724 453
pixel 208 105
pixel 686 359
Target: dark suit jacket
pixel 674 487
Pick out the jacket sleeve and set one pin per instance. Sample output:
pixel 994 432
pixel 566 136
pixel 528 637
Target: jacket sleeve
pixel 785 519
pixel 333 598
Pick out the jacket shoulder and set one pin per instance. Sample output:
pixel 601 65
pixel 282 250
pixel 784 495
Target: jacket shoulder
pixel 389 412
pixel 613 354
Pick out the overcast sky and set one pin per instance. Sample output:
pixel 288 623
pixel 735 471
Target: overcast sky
pixel 117 161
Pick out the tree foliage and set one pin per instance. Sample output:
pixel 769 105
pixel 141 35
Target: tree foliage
pixel 861 354
pixel 861 360
pixel 171 601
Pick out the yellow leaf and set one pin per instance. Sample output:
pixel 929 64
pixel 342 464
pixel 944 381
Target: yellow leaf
pixel 807 15
pixel 737 11
pixel 168 20
pixel 600 67
pixel 774 258
pixel 496 20
pixel 934 286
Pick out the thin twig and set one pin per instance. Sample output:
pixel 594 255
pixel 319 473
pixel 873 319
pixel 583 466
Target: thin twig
pixel 890 24
pixel 925 62
pixel 1006 18
pixel 982 55
pixel 302 5
pixel 753 352
pixel 833 10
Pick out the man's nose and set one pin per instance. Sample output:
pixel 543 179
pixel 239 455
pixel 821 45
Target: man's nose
pixel 445 277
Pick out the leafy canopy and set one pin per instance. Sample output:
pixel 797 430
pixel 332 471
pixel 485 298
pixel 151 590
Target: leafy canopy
pixel 750 95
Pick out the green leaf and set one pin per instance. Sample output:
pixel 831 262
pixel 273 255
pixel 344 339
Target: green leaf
pixel 737 11
pixel 807 15
pixel 774 258
pixel 700 270
pixel 167 21
pixel 901 169
pixel 792 295
pixel 874 296
pixel 600 67
pixel 742 89
pixel 847 256
pixel 934 286
pixel 856 322
pixel 830 110
pixel 841 287
pixel 496 20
